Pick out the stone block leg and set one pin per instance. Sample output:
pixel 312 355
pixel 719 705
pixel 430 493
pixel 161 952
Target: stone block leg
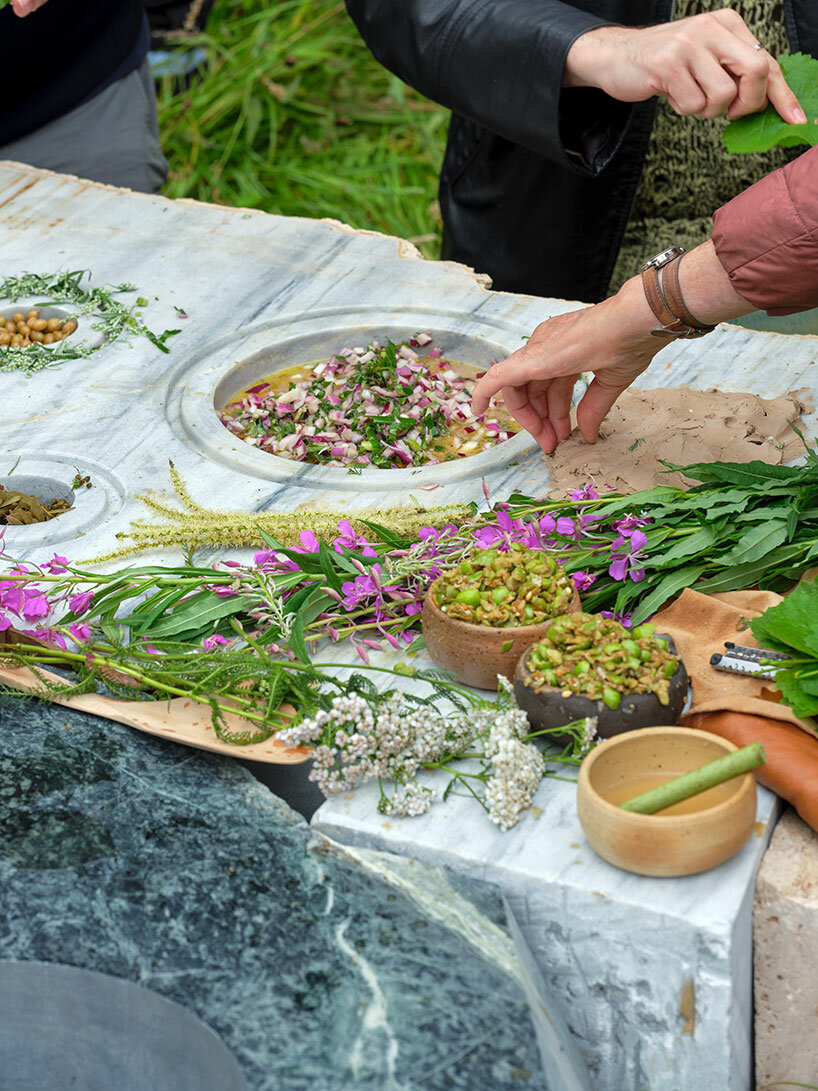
pixel 786 957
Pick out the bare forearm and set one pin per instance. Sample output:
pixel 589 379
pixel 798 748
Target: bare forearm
pixel 707 288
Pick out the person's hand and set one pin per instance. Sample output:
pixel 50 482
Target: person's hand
pixel 26 7
pixel 612 339
pixel 704 64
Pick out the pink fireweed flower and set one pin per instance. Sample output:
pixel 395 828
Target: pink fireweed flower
pixel 363 587
pixel 80 631
pixel 309 542
pixel 625 552
pixel 35 606
pixel 505 532
pixel 56 565
pixel 629 523
pixel 80 602
pixel 222 591
pixel 4 623
pixel 48 636
pixel 11 596
pixel 566 527
pixel 583 580
pixel 214 641
pixel 270 561
pixel 623 619
pixel 348 539
pixel 588 493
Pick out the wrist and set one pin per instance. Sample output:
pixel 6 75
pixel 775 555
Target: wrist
pixel 630 310
pixel 587 58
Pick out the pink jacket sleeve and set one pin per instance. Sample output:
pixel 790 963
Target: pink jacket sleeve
pixel 767 238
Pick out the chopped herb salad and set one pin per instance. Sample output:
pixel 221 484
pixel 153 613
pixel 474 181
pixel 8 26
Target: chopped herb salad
pixel 384 406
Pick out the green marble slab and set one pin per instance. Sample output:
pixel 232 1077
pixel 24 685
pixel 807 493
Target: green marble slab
pixel 176 870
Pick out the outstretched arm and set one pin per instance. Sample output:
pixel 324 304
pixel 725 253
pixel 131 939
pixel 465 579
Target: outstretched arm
pixel 611 339
pixel 557 80
pixel 763 255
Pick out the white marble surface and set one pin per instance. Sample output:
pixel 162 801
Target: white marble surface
pixel 247 280
pixel 614 949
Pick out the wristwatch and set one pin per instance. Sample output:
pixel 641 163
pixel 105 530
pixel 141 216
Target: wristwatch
pixel 660 279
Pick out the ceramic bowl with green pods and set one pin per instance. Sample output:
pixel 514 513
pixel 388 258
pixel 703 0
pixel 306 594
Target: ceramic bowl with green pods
pixel 481 616
pixel 588 665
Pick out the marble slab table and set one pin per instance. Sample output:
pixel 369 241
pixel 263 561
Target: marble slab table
pixel 623 956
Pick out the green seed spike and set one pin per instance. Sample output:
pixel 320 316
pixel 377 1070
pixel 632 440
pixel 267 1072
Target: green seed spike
pixel 191 526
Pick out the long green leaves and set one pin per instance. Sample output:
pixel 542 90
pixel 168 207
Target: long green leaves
pixel 744 525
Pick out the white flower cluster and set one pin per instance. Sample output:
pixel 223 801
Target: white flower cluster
pixel 393 741
pixel 409 800
pixel 518 768
pixel 355 740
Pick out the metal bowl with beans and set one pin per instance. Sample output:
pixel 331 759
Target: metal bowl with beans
pixel 517 586
pixel 20 330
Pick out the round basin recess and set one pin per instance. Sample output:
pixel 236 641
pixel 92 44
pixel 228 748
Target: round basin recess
pixel 53 476
pixel 204 389
pixel 63 1027
pixel 44 489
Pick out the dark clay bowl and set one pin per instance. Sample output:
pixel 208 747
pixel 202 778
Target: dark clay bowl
pixel 547 708
pixel 474 653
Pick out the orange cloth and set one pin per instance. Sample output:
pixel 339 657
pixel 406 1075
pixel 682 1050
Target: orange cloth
pixel 737 707
pixel 792 756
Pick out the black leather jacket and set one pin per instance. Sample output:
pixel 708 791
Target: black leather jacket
pixel 538 181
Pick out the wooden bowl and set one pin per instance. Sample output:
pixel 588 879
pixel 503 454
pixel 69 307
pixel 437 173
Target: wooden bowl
pixel 547 708
pixel 662 844
pixel 476 654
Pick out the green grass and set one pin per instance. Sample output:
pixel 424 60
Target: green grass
pixel 293 115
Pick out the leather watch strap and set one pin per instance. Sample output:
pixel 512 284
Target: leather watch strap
pixel 675 301
pixel 664 295
pixel 656 299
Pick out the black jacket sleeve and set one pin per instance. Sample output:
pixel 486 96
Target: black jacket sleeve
pixel 499 63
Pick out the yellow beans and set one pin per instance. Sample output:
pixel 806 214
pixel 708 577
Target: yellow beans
pixel 23 330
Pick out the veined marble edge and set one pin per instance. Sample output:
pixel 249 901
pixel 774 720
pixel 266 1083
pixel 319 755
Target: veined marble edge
pixel 426 885
pixel 355 831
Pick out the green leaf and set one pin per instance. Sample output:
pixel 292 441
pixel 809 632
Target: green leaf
pixel 672 584
pixel 791 624
pixel 297 642
pixel 198 611
pixel 741 576
pixel 695 543
pixel 800 701
pixel 747 474
pixel 756 543
pixel 326 559
pixel 387 536
pixel 767 129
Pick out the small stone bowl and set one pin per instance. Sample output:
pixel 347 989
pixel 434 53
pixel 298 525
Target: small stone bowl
pixel 476 654
pixel 662 844
pixel 547 708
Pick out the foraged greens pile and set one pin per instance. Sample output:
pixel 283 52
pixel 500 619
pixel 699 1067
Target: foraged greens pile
pixel 115 319
pixel 242 637
pixel 382 406
pixel 792 627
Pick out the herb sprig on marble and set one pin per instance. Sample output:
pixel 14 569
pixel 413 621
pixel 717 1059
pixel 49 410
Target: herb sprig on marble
pixel 115 319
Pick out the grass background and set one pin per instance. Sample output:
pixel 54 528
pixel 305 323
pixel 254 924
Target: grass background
pixel 293 115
